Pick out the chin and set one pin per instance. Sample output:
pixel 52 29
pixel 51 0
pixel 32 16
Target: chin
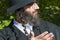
pixel 35 16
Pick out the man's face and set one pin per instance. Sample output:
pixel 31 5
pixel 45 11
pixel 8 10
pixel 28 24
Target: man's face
pixel 32 9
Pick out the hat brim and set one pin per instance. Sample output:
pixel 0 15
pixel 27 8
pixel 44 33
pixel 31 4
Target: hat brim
pixel 19 5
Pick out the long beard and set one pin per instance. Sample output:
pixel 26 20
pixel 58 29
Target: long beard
pixel 33 21
pixel 29 19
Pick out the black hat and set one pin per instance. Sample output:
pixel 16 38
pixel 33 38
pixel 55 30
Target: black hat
pixel 16 4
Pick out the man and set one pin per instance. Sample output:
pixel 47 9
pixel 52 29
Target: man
pixel 26 25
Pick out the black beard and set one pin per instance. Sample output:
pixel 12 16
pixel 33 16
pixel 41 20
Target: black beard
pixel 29 19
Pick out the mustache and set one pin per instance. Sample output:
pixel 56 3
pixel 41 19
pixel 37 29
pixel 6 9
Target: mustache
pixel 37 10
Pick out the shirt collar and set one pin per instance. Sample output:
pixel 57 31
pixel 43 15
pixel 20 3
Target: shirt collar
pixel 20 27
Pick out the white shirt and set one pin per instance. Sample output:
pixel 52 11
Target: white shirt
pixel 21 28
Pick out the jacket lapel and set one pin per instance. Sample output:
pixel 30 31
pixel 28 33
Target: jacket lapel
pixel 18 34
pixel 36 31
pixel 43 27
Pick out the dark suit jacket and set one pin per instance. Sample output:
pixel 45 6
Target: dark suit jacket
pixel 12 33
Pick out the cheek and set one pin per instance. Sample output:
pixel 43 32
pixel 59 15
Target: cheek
pixel 29 11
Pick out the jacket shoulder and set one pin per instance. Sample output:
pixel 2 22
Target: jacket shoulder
pixel 50 25
pixel 5 33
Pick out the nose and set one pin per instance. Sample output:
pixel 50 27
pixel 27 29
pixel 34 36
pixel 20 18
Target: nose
pixel 36 6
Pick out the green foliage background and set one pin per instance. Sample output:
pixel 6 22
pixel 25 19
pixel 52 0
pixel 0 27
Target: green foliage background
pixel 49 11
